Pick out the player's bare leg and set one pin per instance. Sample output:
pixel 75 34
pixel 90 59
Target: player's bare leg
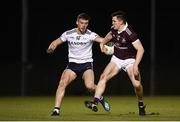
pixel 110 71
pixel 67 77
pixel 88 78
pixel 136 81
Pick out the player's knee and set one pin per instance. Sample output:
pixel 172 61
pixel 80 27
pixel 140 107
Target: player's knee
pixel 90 87
pixel 137 85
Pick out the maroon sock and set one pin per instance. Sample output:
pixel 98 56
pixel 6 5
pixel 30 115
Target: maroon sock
pixel 96 100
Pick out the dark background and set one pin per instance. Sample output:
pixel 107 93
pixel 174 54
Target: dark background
pixel 47 20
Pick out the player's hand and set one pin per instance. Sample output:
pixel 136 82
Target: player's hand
pixel 135 70
pixel 49 51
pixel 51 48
pixel 103 48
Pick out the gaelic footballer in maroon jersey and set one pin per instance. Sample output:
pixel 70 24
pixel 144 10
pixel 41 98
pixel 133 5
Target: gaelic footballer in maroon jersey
pixel 128 52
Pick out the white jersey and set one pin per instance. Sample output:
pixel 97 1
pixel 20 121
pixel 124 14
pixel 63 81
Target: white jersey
pixel 79 45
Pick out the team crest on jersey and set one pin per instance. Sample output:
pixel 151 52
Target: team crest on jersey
pixel 118 37
pixel 78 37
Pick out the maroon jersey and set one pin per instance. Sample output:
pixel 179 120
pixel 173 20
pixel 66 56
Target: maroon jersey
pixel 123 47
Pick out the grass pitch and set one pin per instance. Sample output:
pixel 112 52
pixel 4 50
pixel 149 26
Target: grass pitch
pixel 123 108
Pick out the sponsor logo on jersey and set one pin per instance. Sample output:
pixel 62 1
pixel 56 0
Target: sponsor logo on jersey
pixel 77 43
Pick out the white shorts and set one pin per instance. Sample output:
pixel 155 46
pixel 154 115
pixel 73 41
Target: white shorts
pixel 123 64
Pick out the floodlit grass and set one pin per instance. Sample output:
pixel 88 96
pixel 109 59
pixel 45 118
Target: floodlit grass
pixel 123 108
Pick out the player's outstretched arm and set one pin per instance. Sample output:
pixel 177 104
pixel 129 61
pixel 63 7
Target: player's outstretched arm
pixel 105 40
pixel 54 45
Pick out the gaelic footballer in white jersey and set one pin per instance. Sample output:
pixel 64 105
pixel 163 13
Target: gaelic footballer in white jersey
pixel 79 45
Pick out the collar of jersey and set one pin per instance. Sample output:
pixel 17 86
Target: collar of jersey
pixel 124 28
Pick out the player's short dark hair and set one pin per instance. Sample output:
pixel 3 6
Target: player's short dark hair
pixel 83 16
pixel 120 15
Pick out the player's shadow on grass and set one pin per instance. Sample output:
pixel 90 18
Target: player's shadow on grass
pixel 129 113
pixel 99 114
pixel 133 113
